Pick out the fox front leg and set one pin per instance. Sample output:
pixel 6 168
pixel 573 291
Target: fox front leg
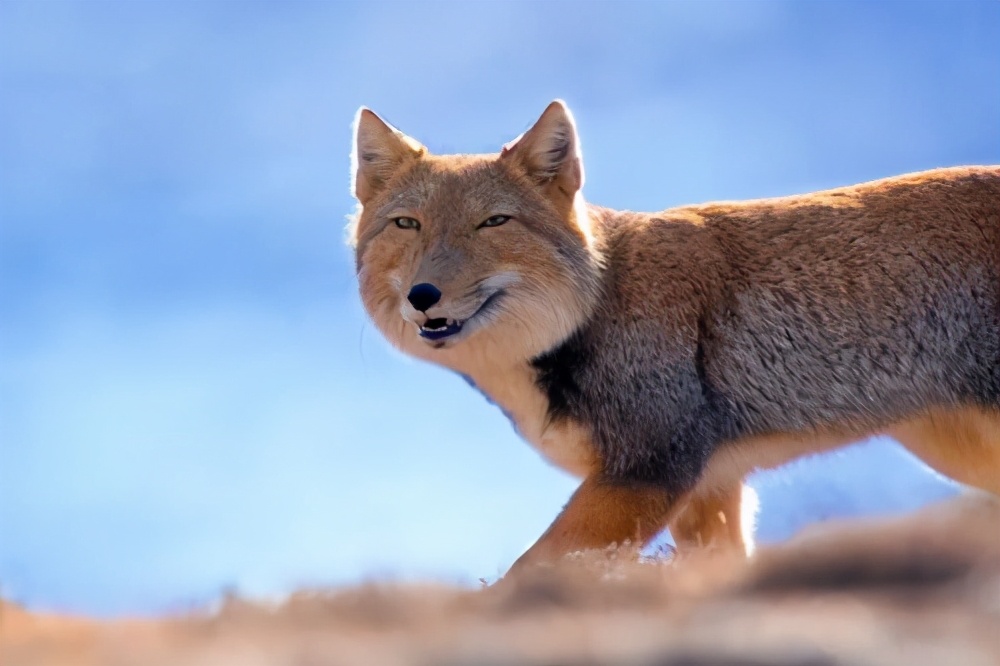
pixel 602 512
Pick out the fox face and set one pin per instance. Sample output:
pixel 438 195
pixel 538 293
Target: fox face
pixel 460 256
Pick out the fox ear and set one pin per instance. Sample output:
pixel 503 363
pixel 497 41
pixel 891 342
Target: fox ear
pixel 550 150
pixel 379 150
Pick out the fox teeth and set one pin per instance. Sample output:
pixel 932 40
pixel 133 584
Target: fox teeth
pixel 447 323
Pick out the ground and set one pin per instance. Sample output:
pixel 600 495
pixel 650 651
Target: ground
pixel 922 589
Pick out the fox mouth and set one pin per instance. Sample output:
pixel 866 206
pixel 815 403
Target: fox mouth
pixel 440 328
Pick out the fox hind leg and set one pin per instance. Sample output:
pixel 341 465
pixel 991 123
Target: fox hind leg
pixel 961 443
pixel 719 520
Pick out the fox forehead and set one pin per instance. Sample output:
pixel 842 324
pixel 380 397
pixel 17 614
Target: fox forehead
pixel 453 187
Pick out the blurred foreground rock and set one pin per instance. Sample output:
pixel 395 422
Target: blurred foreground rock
pixel 924 589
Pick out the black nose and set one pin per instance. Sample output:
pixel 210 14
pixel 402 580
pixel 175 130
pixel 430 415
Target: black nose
pixel 423 296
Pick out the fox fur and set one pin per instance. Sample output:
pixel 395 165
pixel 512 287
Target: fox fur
pixel 664 356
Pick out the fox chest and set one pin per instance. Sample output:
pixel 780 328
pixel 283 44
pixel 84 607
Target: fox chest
pixel 566 444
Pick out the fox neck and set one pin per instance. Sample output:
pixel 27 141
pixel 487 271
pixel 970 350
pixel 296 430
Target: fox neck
pixel 511 383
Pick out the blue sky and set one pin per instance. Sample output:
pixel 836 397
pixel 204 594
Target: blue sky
pixel 190 397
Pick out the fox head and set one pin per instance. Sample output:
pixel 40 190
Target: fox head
pixel 462 257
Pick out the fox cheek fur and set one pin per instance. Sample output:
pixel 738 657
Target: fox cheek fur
pixel 662 357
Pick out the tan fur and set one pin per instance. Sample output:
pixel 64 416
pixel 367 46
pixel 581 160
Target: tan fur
pixel 719 518
pixel 739 293
pixel 600 514
pixel 961 443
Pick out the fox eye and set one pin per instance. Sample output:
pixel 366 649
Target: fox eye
pixel 406 223
pixel 494 221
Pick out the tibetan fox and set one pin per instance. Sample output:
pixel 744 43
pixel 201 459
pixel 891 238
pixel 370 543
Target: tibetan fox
pixel 661 357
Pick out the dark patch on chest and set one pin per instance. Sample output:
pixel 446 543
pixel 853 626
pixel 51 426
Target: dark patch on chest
pixel 557 376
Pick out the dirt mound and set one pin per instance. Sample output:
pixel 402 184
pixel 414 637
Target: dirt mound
pixel 919 590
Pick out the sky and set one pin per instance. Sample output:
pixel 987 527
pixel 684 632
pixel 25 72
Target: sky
pixel 191 399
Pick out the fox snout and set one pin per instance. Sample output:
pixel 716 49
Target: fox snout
pixel 438 317
pixel 423 296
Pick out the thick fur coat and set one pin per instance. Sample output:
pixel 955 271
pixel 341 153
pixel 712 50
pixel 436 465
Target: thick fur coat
pixel 664 356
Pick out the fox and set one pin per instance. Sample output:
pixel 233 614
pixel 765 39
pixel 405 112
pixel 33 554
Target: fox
pixel 663 357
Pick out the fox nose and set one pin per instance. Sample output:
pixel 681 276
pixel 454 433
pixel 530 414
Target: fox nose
pixel 423 296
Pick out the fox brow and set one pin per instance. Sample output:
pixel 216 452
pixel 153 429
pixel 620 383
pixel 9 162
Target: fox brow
pixel 503 192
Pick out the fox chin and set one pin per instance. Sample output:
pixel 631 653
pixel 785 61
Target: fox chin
pixel 661 357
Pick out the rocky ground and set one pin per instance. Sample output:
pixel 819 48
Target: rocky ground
pixel 924 589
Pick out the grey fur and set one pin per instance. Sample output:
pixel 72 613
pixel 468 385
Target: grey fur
pixel 845 313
